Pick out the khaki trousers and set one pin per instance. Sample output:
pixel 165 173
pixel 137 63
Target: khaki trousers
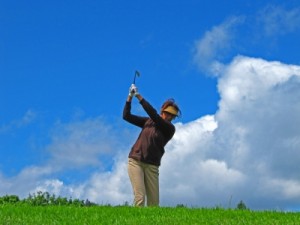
pixel 145 182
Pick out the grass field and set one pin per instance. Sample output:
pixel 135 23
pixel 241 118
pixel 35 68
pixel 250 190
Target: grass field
pixel 122 215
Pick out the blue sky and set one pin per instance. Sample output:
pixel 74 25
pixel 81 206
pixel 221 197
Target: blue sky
pixel 232 66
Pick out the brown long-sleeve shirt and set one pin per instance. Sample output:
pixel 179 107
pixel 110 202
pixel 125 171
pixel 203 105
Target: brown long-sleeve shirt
pixel 155 134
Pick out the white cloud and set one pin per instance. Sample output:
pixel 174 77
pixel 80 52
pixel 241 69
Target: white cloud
pixel 241 34
pixel 25 181
pixel 282 189
pixel 53 186
pixel 110 187
pixel 214 44
pixel 276 20
pixel 27 119
pixel 107 187
pixel 91 142
pixel 258 122
pixel 263 112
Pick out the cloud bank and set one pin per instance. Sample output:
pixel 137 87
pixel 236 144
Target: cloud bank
pixel 251 151
pixel 248 150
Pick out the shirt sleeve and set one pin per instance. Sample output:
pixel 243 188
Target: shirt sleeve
pixel 165 126
pixel 133 119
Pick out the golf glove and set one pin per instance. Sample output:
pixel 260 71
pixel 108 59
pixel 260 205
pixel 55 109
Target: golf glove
pixel 133 90
pixel 131 93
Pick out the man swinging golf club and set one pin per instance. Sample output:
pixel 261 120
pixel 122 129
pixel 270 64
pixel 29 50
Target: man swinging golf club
pixel 146 153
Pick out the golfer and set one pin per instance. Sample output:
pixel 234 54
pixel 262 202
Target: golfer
pixel 146 153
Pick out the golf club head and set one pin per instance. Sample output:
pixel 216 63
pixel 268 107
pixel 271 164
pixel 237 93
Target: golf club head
pixel 137 73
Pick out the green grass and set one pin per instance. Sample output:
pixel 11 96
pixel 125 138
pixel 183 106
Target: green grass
pixel 122 215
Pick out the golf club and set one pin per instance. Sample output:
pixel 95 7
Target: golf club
pixel 137 73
